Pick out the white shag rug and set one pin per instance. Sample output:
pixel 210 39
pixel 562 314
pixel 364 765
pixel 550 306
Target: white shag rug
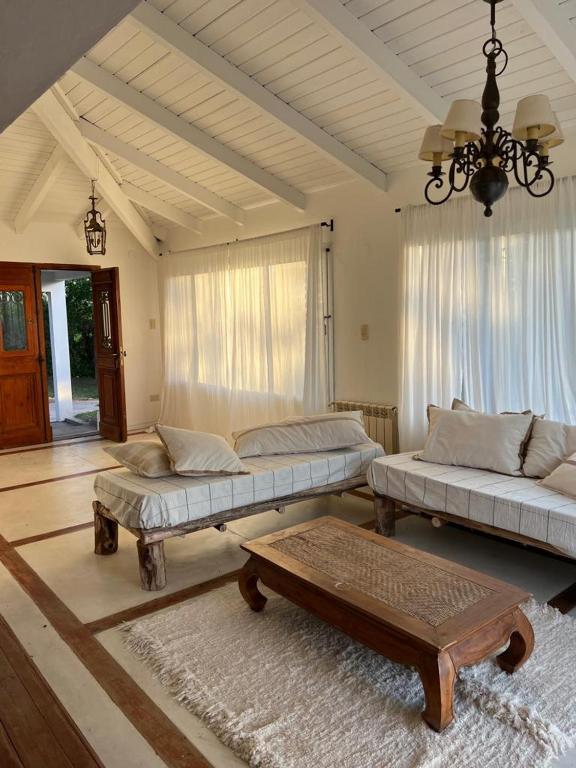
pixel 284 690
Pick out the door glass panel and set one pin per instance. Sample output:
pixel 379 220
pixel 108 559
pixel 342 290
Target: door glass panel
pixel 13 321
pixel 106 340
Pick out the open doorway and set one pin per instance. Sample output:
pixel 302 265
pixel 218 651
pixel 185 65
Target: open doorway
pixel 70 361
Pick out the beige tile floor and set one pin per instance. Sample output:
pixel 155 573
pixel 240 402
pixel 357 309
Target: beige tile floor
pixel 93 587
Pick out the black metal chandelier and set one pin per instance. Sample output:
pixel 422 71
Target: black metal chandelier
pixel 482 153
pixel 95 228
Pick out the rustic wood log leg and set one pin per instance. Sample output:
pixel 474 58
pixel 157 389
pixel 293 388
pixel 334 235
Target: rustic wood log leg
pixel 521 644
pixel 248 585
pixel 385 510
pixel 152 565
pixel 105 533
pixel 438 675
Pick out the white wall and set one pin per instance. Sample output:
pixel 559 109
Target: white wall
pixel 367 268
pixel 58 243
pixel 366 278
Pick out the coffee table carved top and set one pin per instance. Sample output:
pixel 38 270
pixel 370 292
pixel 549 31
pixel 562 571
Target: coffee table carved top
pixel 433 601
pixel 399 580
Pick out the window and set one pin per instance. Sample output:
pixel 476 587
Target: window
pixel 13 321
pixel 244 332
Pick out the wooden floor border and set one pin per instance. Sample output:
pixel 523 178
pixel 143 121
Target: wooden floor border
pixel 155 727
pixel 51 534
pixel 159 603
pixel 37 730
pixel 65 442
pixel 60 477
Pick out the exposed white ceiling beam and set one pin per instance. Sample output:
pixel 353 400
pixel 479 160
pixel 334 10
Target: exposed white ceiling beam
pixel 170 35
pixel 160 171
pixel 356 36
pixel 40 188
pixel 168 211
pixel 168 121
pixel 51 112
pixel 552 25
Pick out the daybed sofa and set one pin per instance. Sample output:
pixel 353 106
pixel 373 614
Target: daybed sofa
pixel 157 509
pixel 517 508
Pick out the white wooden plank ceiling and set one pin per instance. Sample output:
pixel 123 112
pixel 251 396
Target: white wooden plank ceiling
pixel 295 55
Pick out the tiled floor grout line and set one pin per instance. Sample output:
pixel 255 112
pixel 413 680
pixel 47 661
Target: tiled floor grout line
pixel 148 719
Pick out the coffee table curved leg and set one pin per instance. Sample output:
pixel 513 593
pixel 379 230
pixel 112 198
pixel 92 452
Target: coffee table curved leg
pixel 438 675
pixel 521 644
pixel 248 585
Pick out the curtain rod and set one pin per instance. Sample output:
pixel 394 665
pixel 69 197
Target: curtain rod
pixel 329 224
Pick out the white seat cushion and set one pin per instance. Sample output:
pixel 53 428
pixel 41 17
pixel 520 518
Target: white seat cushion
pixel 518 504
pixel 138 502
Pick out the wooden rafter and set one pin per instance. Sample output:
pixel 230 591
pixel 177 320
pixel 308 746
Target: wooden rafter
pixel 170 35
pixel 166 210
pixel 144 162
pixel 53 115
pixel 375 54
pixel 181 129
pixel 552 25
pixel 40 188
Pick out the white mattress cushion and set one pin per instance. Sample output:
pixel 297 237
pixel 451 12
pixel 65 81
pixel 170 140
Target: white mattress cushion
pixel 518 504
pixel 138 502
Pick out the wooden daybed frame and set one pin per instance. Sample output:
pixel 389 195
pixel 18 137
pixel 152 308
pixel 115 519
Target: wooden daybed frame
pixel 388 510
pixel 150 542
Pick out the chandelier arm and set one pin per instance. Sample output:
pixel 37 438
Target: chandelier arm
pixel 544 173
pixel 438 183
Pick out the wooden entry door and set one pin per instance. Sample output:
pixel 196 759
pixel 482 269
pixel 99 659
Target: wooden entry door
pixel 109 354
pixel 23 418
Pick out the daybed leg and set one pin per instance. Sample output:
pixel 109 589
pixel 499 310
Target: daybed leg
pixel 105 533
pixel 152 565
pixel 385 510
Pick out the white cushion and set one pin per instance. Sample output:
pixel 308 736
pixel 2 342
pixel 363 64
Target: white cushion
pixel 303 434
pixel 562 480
pixel 145 458
pixel 481 440
pixel 199 453
pixel 550 443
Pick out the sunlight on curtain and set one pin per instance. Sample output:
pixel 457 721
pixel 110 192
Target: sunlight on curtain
pixel 244 332
pixel 489 311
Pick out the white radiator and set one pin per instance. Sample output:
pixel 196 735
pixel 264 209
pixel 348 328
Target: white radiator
pixel 380 421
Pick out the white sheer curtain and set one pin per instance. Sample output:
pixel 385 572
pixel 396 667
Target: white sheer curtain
pixel 243 328
pixel 489 310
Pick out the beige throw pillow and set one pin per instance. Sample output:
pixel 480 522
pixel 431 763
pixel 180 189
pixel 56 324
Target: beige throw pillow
pixel 199 453
pixel 484 441
pixel 144 458
pixel 562 480
pixel 550 443
pixel 303 434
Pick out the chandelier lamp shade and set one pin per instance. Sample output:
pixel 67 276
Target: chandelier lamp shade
pixel 95 228
pixel 479 152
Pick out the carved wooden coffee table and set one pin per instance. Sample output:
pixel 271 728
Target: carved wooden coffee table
pixel 410 606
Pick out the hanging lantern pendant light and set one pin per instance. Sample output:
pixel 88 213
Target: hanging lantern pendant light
pixel 95 228
pixel 482 153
